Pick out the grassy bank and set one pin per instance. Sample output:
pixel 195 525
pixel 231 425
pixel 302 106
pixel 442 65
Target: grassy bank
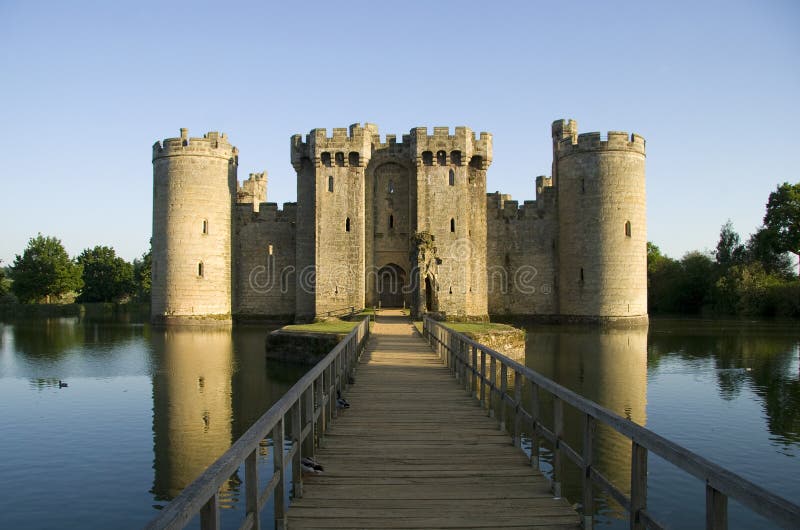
pixel 472 328
pixel 333 325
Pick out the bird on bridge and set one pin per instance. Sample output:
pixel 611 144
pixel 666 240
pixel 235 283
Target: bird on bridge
pixel 311 466
pixel 341 402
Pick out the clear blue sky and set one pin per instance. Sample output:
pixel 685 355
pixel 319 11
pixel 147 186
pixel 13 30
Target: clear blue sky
pixel 88 87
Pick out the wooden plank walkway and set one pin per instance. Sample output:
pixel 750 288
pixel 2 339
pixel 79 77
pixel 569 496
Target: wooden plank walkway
pixel 414 451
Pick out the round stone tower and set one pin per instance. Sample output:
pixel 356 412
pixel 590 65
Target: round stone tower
pixel 602 241
pixel 194 186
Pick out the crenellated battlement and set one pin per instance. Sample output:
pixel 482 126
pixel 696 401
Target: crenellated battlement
pixel 348 147
pixel 213 144
pixel 267 212
pixel 571 142
pixel 463 147
pixel 253 191
pixel 507 208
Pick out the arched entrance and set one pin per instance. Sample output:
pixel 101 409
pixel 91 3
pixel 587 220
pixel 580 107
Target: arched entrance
pixel 391 280
pixel 430 294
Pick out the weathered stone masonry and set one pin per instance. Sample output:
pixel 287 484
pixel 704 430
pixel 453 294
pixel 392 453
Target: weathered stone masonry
pixel 403 223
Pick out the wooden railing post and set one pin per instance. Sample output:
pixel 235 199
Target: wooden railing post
pixel 534 425
pixel 716 509
pixel 474 380
pixel 638 485
pixel 503 390
pixel 558 431
pixel 465 356
pixel 517 409
pixel 586 479
pixel 483 379
pixel 251 488
pixel 323 412
pixel 297 434
pixel 209 514
pixel 308 443
pixel 279 468
pixel 492 386
pixel 334 412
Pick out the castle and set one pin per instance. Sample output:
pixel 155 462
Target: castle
pixel 400 224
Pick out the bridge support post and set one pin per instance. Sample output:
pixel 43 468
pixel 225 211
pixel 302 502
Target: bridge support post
pixel 279 468
pixel 492 386
pixel 589 425
pixel 716 509
pixel 474 377
pixel 251 488
pixel 558 431
pixel 297 441
pixel 638 485
pixel 503 390
pixel 517 407
pixel 534 425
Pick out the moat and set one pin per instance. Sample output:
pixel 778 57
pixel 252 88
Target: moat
pixel 145 410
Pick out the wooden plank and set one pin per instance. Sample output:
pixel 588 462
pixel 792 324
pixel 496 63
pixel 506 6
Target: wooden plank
pixel 412 451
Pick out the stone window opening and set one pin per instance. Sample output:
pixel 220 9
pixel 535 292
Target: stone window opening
pixel 353 159
pixel 391 221
pixel 200 270
pixel 627 229
pixel 269 250
pixel 455 158
pixel 583 185
pixel 330 183
pixel 347 225
pixel 205 226
pixel 326 159
pixel 581 274
pixel 441 158
pixel 427 158
pixel 452 225
pixel 476 162
pixel 391 186
pixel 340 159
pixel 452 178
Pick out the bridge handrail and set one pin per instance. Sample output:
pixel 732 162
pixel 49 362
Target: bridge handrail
pixel 720 482
pixel 312 409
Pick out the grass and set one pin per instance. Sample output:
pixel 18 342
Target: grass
pixel 478 327
pixel 471 327
pixel 333 325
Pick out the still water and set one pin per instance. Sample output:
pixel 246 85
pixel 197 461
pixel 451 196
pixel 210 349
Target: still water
pixel 728 390
pixel 146 410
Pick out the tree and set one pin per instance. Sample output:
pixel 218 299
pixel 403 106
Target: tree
pixel 697 281
pixel 44 270
pixel 761 248
pixel 3 284
pixel 783 218
pixel 729 251
pixel 106 277
pixel 141 276
pixel 663 276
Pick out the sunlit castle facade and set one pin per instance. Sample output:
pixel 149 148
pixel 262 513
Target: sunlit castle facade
pixel 400 223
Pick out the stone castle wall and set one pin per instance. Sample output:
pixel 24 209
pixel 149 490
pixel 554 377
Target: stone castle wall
pixel 265 247
pixel 415 210
pixel 194 182
pixel 602 247
pixel 521 253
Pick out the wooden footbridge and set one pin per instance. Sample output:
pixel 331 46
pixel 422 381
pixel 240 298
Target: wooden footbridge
pixel 425 444
pixel 414 451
